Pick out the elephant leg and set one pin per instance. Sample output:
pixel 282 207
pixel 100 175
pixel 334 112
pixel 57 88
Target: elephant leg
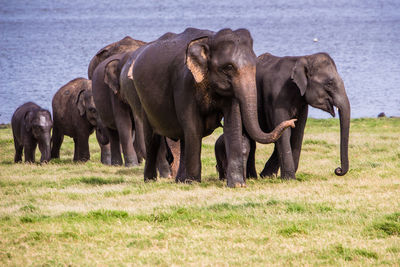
pixel 251 161
pixel 29 151
pixel 56 140
pixel 175 148
pixel 105 154
pixel 152 142
pixel 116 158
pixel 139 143
pixel 76 149
pixel 245 153
pixel 296 139
pixel 83 148
pixel 18 151
pixel 124 125
pixel 285 156
pixel 220 157
pixel 162 163
pixel 126 140
pixel 180 175
pixel 192 156
pixel 272 165
pixel 233 143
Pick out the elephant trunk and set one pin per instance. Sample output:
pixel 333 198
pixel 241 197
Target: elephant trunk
pixel 45 149
pixel 247 96
pixel 101 132
pixel 101 136
pixel 344 115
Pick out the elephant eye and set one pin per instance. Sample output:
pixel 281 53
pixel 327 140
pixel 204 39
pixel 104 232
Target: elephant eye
pixel 329 83
pixel 228 68
pixel 93 110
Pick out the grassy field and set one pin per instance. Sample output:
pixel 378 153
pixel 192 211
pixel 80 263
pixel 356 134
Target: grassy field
pixel 64 213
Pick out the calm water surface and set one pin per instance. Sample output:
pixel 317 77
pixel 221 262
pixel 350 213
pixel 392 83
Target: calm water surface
pixel 45 44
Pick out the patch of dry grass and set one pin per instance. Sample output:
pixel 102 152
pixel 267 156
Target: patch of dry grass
pixel 90 214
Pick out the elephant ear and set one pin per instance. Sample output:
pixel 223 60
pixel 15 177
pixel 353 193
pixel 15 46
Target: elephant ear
pixel 130 74
pixel 111 75
pixel 28 121
pixel 197 55
pixel 80 102
pixel 299 75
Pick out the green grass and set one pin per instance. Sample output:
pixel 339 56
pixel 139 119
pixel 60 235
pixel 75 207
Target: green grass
pixel 66 213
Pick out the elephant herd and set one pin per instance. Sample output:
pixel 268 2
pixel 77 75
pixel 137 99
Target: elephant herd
pixel 157 100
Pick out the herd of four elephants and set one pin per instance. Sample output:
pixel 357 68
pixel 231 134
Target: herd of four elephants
pixel 157 100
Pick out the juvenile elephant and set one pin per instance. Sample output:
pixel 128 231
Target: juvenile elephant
pixel 31 125
pixel 124 45
pixel 118 118
pixel 184 84
pixel 286 86
pixel 75 115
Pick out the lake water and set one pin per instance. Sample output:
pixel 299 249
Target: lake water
pixel 45 44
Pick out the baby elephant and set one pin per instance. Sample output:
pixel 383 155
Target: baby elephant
pixel 220 155
pixel 31 125
pixel 75 115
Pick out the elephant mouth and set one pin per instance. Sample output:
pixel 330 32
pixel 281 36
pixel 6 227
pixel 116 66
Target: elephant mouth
pixel 93 121
pixel 330 107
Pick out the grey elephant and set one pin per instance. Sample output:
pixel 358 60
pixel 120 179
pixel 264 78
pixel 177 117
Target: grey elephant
pixel 75 115
pixel 184 84
pixel 31 125
pixel 285 88
pixel 122 125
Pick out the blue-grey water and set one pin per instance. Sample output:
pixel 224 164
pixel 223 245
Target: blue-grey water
pixel 44 44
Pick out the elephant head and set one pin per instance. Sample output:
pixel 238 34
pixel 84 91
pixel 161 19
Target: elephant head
pixel 317 78
pixel 86 107
pixel 39 123
pixel 124 45
pixel 226 63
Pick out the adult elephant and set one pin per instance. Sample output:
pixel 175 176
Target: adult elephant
pixel 75 115
pixel 31 125
pixel 185 83
pixel 124 45
pixel 286 86
pixel 117 116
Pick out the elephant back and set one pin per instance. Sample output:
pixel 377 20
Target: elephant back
pixel 125 45
pixel 66 98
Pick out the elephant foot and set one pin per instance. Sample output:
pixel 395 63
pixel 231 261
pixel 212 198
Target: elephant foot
pixel 288 175
pixel 147 180
pixel 187 180
pixel 131 164
pixel 235 179
pixel 165 173
pixel 81 160
pixel 237 185
pixel 106 159
pixel 169 176
pixel 116 163
pixel 267 173
pixel 106 162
